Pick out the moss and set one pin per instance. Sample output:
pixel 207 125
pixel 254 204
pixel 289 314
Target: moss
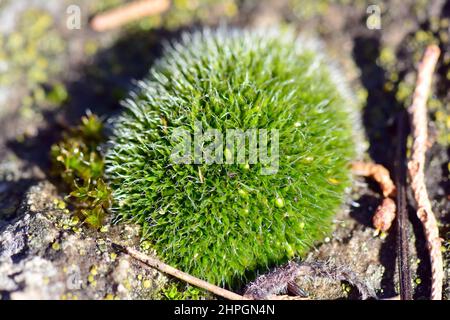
pixel 221 221
pixel 57 95
pixel 78 162
pixel 179 291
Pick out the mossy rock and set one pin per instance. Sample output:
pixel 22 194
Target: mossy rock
pixel 219 221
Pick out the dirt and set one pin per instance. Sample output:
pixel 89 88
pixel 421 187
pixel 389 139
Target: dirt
pixel 98 69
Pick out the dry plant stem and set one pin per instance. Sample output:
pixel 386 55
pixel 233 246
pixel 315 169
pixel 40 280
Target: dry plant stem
pixel 155 263
pixel 377 172
pixel 416 165
pixel 129 12
pixel 385 213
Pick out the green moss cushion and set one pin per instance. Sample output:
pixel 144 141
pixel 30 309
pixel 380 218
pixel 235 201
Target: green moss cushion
pixel 222 221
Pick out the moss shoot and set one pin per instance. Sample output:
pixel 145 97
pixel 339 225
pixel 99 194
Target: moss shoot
pixel 78 163
pixel 221 221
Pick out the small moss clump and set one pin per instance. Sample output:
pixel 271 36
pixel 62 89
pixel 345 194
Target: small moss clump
pixel 177 291
pixel 78 162
pixel 219 221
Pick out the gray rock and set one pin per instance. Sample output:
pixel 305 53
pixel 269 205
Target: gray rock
pixel 46 254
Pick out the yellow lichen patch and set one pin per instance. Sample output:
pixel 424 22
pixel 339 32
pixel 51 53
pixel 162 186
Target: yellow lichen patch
pixel 93 271
pixel 59 204
pixel 127 284
pixel 109 296
pixel 91 280
pixel 76 230
pixel 145 245
pixel 74 221
pixel 146 284
pixel 31 54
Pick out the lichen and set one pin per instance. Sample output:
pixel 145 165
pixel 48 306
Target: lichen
pixel 400 78
pixel 29 58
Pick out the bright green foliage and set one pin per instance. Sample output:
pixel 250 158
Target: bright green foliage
pixel 78 162
pixel 174 292
pixel 222 222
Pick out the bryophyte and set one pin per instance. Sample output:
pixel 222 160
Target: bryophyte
pixel 220 216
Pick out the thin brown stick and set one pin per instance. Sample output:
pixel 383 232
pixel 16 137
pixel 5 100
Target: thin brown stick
pixel 128 12
pixel 157 264
pixel 377 172
pixel 384 215
pixel 416 165
pixel 386 211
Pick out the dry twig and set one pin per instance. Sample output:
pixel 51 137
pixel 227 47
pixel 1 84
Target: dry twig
pixel 377 172
pixel 385 213
pixel 128 12
pixel 155 263
pixel 416 165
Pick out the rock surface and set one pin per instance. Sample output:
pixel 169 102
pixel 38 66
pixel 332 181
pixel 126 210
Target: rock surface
pixel 46 254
